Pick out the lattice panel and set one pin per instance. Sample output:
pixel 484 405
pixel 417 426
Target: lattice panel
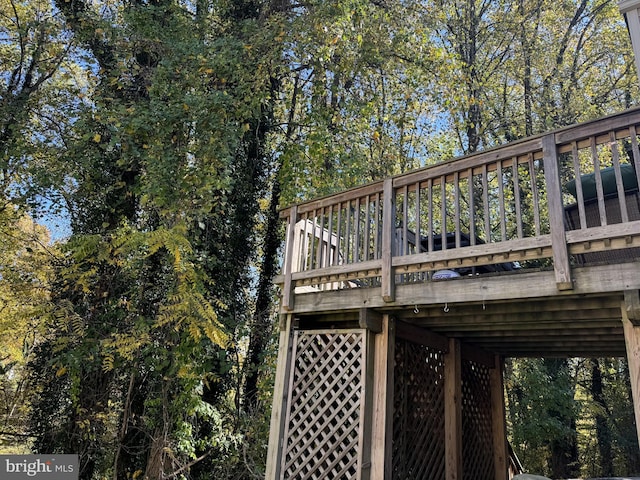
pixel 477 436
pixel 325 406
pixel 418 413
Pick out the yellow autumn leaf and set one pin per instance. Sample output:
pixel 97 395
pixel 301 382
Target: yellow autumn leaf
pixel 97 137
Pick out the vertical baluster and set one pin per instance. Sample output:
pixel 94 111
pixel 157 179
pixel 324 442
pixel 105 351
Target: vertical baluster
pixel 456 206
pixel 339 235
pixel 430 214
pixel 485 200
pixel 418 238
pixel 378 228
pixel 314 227
pixel 516 194
pixel 636 152
pixel 347 233
pixel 356 237
pixel 443 211
pixel 304 258
pixel 600 194
pixel 472 209
pixel 534 194
pixel 330 246
pixel 579 192
pixel 321 243
pixel 615 157
pixel 405 217
pixel 366 244
pixel 503 223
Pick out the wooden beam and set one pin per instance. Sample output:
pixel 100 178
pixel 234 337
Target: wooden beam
pixel 500 452
pixel 632 341
pixel 518 286
pixel 382 428
pixel 477 355
pixel 422 336
pixel 632 306
pixel 388 229
pixel 556 214
pixel 279 407
pixel 370 319
pixel 453 411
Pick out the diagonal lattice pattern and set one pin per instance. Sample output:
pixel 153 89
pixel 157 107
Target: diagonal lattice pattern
pixel 325 406
pixel 418 413
pixel 477 436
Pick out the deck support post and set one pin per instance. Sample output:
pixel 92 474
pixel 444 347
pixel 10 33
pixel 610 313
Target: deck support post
pixel 287 268
pixel 388 229
pixel 556 214
pixel 453 411
pixel 632 341
pixel 280 395
pixel 500 451
pixel 382 427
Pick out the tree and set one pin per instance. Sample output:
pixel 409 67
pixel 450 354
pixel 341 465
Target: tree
pixel 25 267
pixel 152 295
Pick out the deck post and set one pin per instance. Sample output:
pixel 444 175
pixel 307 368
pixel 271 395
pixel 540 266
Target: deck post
pixel 382 428
pixel 632 341
pixel 280 395
pixel 388 230
pixel 556 214
pixel 453 411
pixel 500 455
pixel 287 268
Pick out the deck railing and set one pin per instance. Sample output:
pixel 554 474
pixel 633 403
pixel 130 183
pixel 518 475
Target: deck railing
pixel 506 208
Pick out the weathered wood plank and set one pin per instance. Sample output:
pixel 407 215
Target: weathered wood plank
pixel 421 336
pixel 388 228
pixel 579 194
pixel 517 199
pixel 279 406
pixel 534 191
pixel 366 407
pixel 556 215
pixel 498 419
pixel 453 411
pixel 632 341
pixel 461 164
pixel 632 306
pixel 595 127
pixel 589 280
pixel 370 320
pixel 609 232
pixel 382 428
pixel 287 289
pixel 598 176
pixel 496 249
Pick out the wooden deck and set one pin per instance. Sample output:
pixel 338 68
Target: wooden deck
pixel 545 261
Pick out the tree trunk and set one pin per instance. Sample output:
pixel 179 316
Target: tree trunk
pixel 603 432
pixel 563 461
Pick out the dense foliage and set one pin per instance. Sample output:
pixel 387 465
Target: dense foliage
pixel 167 134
